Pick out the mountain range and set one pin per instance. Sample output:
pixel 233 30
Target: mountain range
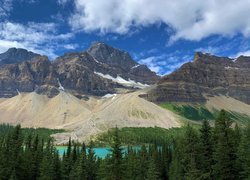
pixel 98 71
pixel 89 92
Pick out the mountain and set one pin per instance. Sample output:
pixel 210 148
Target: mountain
pixel 16 55
pixel 100 70
pixel 205 77
pixel 89 92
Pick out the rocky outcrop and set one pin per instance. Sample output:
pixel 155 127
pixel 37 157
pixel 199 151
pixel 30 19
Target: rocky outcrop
pixel 98 71
pixel 28 76
pixel 206 75
pixel 16 55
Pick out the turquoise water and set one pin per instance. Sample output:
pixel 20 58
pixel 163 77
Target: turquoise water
pixel 100 152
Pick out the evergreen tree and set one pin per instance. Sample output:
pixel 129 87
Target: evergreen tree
pixel 206 150
pixel 143 161
pixel 176 171
pixel 91 163
pixel 244 154
pixel 132 164
pixel 152 173
pixel 81 165
pixel 224 152
pixel 67 161
pixel 49 168
pixel 116 159
pixel 191 154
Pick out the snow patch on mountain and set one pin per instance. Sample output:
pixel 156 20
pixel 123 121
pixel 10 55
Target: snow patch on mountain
pixel 60 85
pixel 135 66
pixel 109 96
pixel 124 82
pixel 228 67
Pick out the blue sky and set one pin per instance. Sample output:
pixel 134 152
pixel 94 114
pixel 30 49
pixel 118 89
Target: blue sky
pixel 162 34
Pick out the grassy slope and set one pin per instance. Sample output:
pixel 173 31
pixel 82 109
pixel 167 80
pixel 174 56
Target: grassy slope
pixel 200 112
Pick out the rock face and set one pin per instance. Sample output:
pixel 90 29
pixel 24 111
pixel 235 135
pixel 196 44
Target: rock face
pixel 14 55
pixel 117 62
pixel 206 75
pixel 98 71
pixel 36 75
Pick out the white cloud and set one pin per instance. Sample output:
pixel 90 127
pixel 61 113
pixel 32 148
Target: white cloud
pixel 244 53
pixel 63 2
pixel 5 8
pixel 209 49
pixel 41 38
pixel 189 19
pixel 165 63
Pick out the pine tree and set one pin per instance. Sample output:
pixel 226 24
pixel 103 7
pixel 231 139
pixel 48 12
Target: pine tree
pixel 224 152
pixel 91 163
pixel 81 164
pixel 131 163
pixel 67 161
pixel 206 150
pixel 176 171
pixel 116 160
pixel 49 167
pixel 152 173
pixel 244 154
pixel 191 154
pixel 143 160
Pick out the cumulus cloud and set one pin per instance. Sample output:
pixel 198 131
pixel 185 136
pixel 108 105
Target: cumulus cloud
pixel 42 38
pixel 189 19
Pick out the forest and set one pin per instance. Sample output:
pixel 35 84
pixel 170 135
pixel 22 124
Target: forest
pixel 219 152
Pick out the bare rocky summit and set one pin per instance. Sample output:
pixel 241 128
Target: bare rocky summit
pixel 16 55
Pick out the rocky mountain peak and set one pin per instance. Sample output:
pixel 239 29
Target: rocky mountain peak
pixel 243 61
pixel 206 58
pixel 16 55
pixel 111 56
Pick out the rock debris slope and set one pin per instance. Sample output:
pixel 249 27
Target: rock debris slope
pixel 84 118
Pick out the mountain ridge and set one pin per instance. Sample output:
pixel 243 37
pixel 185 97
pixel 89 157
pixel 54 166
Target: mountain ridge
pixel 80 73
pixel 16 55
pixel 207 74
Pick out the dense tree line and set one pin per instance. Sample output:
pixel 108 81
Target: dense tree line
pixel 222 153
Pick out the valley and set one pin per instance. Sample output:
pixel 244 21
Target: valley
pixel 88 93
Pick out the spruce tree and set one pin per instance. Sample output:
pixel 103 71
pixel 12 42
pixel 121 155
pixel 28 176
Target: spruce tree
pixel 81 165
pixel 206 150
pixel 224 152
pixel 116 157
pixel 191 154
pixel 244 154
pixel 152 173
pixel 91 163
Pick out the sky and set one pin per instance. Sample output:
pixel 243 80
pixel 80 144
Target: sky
pixel 162 34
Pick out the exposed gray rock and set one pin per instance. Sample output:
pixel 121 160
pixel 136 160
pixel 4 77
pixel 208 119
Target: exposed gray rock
pixel 16 55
